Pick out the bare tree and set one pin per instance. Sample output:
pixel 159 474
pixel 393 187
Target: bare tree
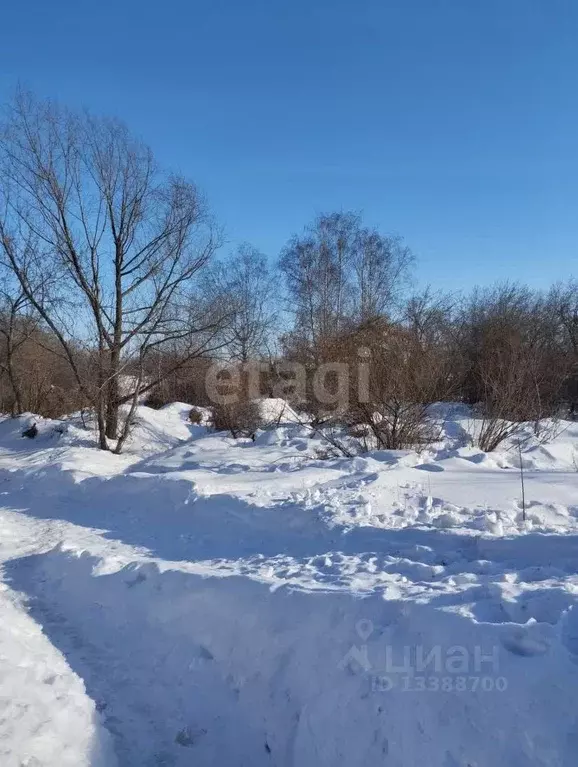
pixel 562 302
pixel 380 267
pixel 16 328
pixel 246 289
pixel 339 273
pixel 87 204
pixel 429 315
pixel 314 267
pixel 20 330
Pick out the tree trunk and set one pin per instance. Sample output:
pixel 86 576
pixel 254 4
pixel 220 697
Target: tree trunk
pixel 128 422
pixel 102 443
pixel 113 396
pixel 17 404
pixel 112 410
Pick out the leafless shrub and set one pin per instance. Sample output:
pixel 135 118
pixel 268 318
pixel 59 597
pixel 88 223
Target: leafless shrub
pixel 494 431
pixel 337 438
pixel 195 416
pixel 33 377
pixel 548 430
pixel 403 378
pixel 156 400
pixel 512 370
pixel 180 380
pixel 562 307
pixel 241 419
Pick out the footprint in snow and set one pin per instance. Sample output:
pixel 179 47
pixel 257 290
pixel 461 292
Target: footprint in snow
pixel 525 645
pixel 188 736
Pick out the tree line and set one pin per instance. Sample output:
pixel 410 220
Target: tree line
pixel 113 292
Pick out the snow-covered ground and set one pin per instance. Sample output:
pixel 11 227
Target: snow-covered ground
pixel 209 601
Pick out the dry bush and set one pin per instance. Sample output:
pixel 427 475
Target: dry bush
pixel 195 416
pixel 156 399
pixel 393 378
pixel 510 394
pixel 241 419
pixel 510 352
pixel 36 378
pixel 562 305
pixel 404 381
pixel 186 382
pixel 514 379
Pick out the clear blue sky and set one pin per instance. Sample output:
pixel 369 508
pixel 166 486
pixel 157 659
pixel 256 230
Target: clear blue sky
pixel 451 122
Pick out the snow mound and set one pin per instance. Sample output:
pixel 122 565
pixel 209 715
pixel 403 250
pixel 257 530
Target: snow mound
pixel 158 430
pixel 560 456
pixel 48 430
pixel 46 716
pixel 275 411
